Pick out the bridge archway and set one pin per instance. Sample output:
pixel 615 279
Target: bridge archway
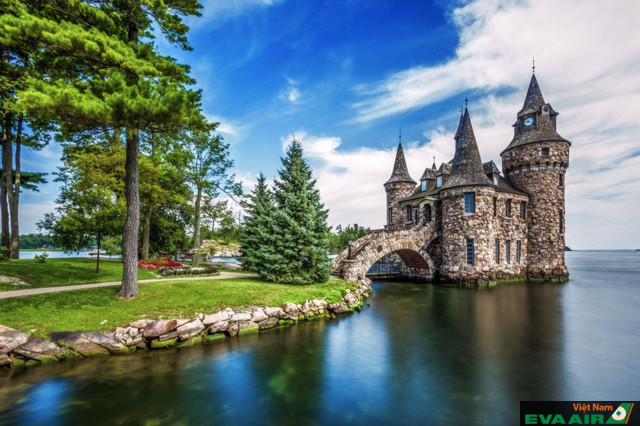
pixel 410 245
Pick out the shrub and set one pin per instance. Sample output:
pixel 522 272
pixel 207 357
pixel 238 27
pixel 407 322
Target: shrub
pixel 189 271
pixel 4 253
pixel 41 258
pixel 159 264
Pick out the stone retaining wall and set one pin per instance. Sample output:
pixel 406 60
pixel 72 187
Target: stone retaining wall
pixel 17 348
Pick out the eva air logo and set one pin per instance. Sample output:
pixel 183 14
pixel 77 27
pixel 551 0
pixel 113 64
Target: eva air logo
pixel 621 414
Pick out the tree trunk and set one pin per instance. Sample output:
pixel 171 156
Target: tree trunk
pixel 4 212
pixel 14 197
pixel 98 256
pixel 196 231
pixel 146 231
pixel 129 287
pixel 6 158
pixel 131 228
pixel 7 167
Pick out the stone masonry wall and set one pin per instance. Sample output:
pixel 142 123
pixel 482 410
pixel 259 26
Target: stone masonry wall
pixel 543 177
pixel 395 192
pixel 484 228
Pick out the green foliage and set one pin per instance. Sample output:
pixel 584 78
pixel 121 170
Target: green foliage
pixel 254 238
pixel 4 253
pixel 339 240
pixel 172 299
pixel 41 258
pixel 112 245
pixel 292 241
pixel 168 229
pixel 35 241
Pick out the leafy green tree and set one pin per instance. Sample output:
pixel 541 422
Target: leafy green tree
pixel 17 130
pixel 207 172
pixel 296 252
pixel 99 70
pixel 216 212
pixel 81 216
pixel 339 240
pixel 254 240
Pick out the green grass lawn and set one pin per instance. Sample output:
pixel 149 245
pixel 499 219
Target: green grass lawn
pixel 64 271
pixel 85 310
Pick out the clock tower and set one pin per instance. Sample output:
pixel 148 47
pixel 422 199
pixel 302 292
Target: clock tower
pixel 536 161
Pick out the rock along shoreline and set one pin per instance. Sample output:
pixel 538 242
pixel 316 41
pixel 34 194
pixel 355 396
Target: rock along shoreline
pixel 18 349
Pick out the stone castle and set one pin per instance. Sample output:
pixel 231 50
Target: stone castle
pixel 466 222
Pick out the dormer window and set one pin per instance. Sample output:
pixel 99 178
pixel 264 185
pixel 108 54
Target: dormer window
pixel 424 185
pixel 439 181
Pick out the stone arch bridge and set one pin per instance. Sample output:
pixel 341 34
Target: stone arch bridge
pixel 410 244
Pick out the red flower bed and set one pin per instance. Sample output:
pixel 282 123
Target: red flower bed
pixel 158 264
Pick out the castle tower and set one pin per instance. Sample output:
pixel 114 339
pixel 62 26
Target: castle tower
pixel 535 162
pixel 397 187
pixel 466 207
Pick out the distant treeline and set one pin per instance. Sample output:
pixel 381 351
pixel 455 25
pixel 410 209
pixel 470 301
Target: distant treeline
pixel 35 241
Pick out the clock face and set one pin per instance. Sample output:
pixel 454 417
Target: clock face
pixel 528 121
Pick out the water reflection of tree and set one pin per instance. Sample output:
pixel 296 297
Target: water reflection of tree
pixel 484 349
pixel 288 365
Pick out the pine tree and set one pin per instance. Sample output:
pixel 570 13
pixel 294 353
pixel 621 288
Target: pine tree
pixel 296 230
pixel 257 209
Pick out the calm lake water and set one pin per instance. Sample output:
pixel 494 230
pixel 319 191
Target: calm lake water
pixel 59 254
pixel 419 354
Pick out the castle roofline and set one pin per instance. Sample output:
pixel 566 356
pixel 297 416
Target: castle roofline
pixel 466 168
pixel 400 172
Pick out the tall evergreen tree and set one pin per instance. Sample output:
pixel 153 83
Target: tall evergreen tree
pixel 254 238
pixel 99 69
pixel 297 227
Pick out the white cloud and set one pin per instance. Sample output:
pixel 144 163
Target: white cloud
pixel 351 182
pixel 231 130
pixel 588 69
pixel 291 92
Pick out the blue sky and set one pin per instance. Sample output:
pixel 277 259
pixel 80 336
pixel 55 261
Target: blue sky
pixel 345 76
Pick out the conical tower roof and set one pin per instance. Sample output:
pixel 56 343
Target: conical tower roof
pixel 400 172
pixel 545 130
pixel 534 99
pixel 466 168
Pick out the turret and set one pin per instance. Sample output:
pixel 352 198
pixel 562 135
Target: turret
pixel 535 162
pixel 397 187
pixel 466 199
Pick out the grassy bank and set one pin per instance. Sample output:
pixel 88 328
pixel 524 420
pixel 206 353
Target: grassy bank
pixel 98 309
pixel 64 271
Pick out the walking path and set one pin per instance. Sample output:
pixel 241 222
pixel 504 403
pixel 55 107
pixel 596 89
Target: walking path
pixel 32 291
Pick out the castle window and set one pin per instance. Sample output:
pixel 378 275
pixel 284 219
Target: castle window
pixel 544 152
pixel 518 249
pixel 507 211
pixel 424 186
pixel 495 206
pixel 507 252
pixel 497 250
pixel 561 179
pixel 409 213
pixel 427 213
pixel 470 253
pixel 390 215
pixel 439 181
pixel 469 202
pixel 523 210
pixel 560 220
